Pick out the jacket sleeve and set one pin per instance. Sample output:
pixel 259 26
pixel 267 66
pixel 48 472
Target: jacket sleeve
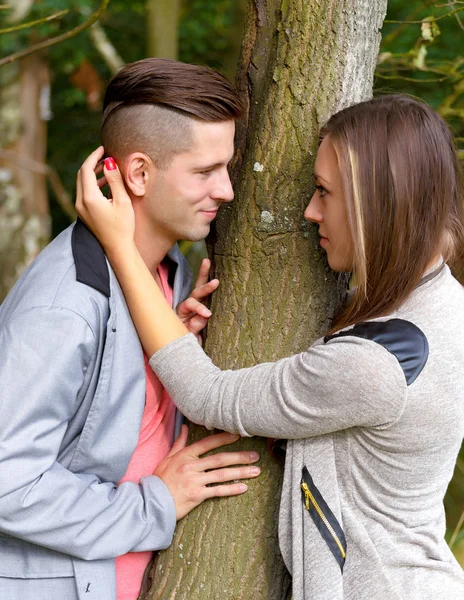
pixel 44 364
pixel 344 383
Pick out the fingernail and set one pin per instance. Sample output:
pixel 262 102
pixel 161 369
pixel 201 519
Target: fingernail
pixel 254 455
pixel 110 164
pixel 255 470
pixel 208 313
pixel 243 487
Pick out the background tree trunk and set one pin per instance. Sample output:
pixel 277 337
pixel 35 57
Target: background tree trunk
pixel 24 213
pixel 162 22
pixel 301 61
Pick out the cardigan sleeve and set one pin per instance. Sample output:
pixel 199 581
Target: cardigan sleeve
pixel 344 383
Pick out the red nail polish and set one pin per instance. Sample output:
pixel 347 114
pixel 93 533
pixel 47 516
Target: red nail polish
pixel 110 164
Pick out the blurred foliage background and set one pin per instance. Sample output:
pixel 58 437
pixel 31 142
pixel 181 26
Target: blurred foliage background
pixel 422 53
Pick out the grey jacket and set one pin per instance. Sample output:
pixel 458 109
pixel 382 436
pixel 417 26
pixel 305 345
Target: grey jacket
pixel 72 397
pixel 376 415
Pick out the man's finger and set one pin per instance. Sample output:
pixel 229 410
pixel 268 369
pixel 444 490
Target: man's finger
pixel 196 324
pixel 205 290
pixel 230 474
pixel 181 441
pixel 220 491
pixel 203 273
pixel 193 307
pixel 211 442
pixel 226 459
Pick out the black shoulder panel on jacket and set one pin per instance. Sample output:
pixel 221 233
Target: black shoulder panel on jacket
pixel 91 267
pixel 401 338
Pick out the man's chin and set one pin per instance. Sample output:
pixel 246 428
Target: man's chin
pixel 198 235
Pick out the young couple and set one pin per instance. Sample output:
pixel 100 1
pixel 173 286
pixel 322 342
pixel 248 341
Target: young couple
pixel 373 413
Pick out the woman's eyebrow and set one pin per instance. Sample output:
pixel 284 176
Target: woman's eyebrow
pixel 317 176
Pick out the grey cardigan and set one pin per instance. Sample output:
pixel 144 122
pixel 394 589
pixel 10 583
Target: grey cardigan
pixel 378 432
pixel 72 381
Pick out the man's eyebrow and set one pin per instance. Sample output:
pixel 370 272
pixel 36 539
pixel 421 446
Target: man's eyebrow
pixel 212 166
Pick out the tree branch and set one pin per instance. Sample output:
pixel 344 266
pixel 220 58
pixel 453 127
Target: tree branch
pixel 431 20
pixel 37 22
pixel 59 38
pixel 106 49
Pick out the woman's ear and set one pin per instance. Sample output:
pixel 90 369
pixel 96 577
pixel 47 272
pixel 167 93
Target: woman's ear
pixel 137 169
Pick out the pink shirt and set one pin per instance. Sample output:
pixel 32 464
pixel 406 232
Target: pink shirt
pixel 155 441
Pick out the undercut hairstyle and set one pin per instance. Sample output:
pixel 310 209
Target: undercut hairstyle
pixel 404 193
pixel 150 106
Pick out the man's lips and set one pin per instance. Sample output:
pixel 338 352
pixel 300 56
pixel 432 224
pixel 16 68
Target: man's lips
pixel 210 213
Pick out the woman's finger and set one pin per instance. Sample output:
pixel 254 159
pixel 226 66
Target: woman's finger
pixel 102 182
pixel 88 177
pixel 115 181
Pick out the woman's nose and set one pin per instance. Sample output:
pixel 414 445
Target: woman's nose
pixel 313 212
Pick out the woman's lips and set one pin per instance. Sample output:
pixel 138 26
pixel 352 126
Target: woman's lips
pixel 323 241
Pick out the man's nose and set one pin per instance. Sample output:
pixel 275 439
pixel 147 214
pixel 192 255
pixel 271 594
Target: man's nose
pixel 223 190
pixel 313 210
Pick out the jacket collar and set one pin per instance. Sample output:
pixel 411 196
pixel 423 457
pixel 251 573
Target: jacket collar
pixel 90 260
pixel 91 264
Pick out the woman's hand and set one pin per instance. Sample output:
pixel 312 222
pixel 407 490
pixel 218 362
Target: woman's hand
pixel 188 477
pixel 111 220
pixel 192 312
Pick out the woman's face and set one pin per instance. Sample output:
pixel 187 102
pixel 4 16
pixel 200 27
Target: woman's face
pixel 327 208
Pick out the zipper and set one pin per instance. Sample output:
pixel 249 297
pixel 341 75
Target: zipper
pixel 323 518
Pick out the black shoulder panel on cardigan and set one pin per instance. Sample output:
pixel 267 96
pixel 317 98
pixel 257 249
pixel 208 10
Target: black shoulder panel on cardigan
pixel 401 338
pixel 90 260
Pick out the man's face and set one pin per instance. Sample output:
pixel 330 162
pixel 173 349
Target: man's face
pixel 181 201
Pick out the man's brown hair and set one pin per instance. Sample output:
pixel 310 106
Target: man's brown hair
pixel 404 190
pixel 149 106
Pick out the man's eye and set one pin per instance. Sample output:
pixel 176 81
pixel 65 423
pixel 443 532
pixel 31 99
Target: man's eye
pixel 322 191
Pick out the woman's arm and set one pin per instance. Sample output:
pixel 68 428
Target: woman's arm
pixel 344 383
pixel 113 223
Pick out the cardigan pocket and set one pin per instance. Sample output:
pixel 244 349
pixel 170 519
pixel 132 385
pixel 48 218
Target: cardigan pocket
pixel 323 518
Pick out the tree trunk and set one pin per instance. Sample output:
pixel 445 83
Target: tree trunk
pixel 301 61
pixel 24 213
pixel 162 24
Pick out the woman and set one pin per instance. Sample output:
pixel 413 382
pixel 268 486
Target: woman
pixel 373 413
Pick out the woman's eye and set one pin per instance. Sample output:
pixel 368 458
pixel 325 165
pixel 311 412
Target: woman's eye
pixel 322 191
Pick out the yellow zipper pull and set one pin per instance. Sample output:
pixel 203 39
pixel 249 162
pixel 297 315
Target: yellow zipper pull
pixel 307 494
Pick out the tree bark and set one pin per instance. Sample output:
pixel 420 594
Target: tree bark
pixel 24 213
pixel 162 23
pixel 301 61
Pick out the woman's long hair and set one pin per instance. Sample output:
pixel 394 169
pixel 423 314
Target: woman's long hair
pixel 403 187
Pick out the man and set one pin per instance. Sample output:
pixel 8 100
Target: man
pixel 84 421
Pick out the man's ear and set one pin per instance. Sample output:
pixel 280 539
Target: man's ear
pixel 137 170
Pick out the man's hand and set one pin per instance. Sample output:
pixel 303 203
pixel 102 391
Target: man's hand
pixel 192 312
pixel 187 475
